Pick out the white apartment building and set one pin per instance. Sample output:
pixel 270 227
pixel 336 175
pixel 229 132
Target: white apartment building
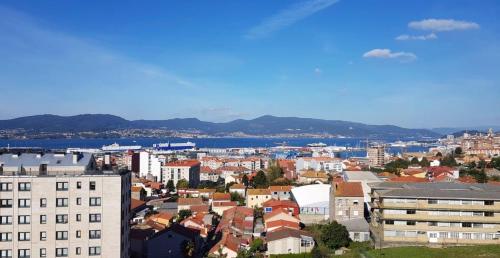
pixel 182 169
pixel 319 164
pixel 59 205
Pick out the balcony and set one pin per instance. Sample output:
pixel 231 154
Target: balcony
pixel 444 218
pixel 423 205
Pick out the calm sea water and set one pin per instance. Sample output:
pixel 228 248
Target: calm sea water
pixel 200 142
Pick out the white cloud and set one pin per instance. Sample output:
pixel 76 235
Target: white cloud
pixel 419 37
pixel 287 17
pixel 442 25
pixel 388 54
pixel 318 71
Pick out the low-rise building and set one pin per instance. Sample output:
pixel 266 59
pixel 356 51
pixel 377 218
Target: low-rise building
pixel 281 192
pixel 435 213
pixel 289 241
pixel 347 201
pixel 256 197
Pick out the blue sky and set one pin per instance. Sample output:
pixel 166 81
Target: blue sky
pixel 408 63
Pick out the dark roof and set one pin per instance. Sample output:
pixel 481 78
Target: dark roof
pixel 285 233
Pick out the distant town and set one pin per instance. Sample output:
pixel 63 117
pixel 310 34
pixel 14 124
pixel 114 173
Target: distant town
pixel 175 199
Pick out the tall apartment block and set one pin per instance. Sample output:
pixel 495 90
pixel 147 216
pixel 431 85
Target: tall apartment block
pixel 435 214
pixel 376 155
pixel 60 205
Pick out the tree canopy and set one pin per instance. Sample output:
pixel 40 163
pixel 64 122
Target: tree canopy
pixel 334 235
pixel 182 184
pixel 260 180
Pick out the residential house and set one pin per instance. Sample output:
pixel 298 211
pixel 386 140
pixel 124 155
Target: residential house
pixel 310 176
pixel 281 192
pixel 256 197
pixel 289 241
pixel 347 201
pixel 186 203
pixel 238 188
pixel 274 204
pixel 220 207
pixel 171 242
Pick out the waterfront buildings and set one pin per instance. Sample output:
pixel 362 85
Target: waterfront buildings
pixel 435 213
pixel 59 205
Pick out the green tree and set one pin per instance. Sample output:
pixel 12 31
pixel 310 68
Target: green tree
pixel 481 164
pixel 458 151
pixel 182 184
pixel 334 235
pixel 183 214
pixel 257 245
pixel 495 162
pixel 481 177
pixel 439 154
pixel 396 165
pixel 170 186
pixel 316 252
pixel 449 161
pixel 472 165
pixel 245 179
pixel 414 161
pixel 236 197
pixel 274 172
pixel 424 162
pixel 260 180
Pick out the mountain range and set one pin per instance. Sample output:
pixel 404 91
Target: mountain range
pixel 264 125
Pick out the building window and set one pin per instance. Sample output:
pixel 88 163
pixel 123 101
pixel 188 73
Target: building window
pixel 95 217
pixel 78 201
pixel 389 222
pixel 431 201
pixel 78 234
pixel 410 223
pixel 467 235
pixel 92 186
pixel 61 202
pixel 23 253
pixel 5 203
pixel 23 236
pixel 24 187
pixel 95 201
pixel 78 217
pixel 62 219
pixel 488 214
pixel 43 252
pixel 5 220
pixel 78 250
pixel 43 219
pixel 61 252
pixel 61 235
pixel 95 250
pixel 466 224
pixel 79 185
pixel 5 187
pixel 5 237
pixel 24 219
pixel 24 203
pixel 489 202
pixel 43 236
pixel 94 234
pixel 410 212
pixel 6 253
pixel 43 202
pixel 62 186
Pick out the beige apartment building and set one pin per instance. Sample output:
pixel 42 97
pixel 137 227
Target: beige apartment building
pixel 376 155
pixel 435 214
pixel 59 205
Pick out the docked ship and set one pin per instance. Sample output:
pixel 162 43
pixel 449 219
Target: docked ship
pixel 117 147
pixel 317 144
pixel 168 146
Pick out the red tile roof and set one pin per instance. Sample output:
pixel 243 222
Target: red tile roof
pixel 189 201
pixel 221 196
pixel 134 203
pixel 349 189
pixel 183 163
pixel 280 188
pixel 283 223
